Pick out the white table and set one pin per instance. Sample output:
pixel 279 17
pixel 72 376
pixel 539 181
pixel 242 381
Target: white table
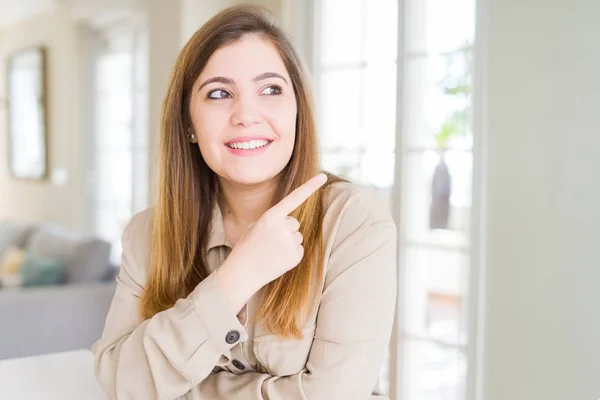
pixel 58 376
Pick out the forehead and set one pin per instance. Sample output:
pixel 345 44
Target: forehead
pixel 245 58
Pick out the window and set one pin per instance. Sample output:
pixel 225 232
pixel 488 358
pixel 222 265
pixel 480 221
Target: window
pixel 436 196
pixel 355 77
pixel 356 89
pixel 119 150
pixel 356 70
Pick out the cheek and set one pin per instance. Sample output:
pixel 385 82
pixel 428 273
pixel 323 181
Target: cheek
pixel 291 128
pixel 209 125
pixel 283 120
pixel 208 128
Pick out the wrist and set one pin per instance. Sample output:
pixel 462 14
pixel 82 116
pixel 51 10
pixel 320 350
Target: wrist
pixel 238 286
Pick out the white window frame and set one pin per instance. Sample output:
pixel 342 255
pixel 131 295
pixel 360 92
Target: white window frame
pixel 93 31
pixel 309 49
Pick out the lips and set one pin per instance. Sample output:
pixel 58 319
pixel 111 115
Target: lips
pixel 245 139
pixel 249 145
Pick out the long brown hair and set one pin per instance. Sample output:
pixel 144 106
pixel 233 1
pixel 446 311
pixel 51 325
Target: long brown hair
pixel 188 188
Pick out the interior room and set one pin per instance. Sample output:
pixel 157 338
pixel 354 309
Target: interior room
pixel 476 121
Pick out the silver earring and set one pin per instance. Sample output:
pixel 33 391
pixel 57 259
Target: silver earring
pixel 191 136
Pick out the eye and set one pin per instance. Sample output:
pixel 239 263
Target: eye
pixel 272 90
pixel 218 94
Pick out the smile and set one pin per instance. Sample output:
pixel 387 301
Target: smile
pixel 249 145
pixel 248 148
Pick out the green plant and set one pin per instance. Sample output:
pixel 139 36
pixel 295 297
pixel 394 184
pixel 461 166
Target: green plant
pixel 454 125
pixel 458 123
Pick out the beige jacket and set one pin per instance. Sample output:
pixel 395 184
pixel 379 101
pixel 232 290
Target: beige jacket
pixel 199 349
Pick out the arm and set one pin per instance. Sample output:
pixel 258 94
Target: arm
pixel 353 325
pixel 168 354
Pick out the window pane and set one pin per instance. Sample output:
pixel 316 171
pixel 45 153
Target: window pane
pixel 379 105
pixel 438 101
pixel 437 197
pixel 339 109
pixel 120 151
pixel 438 26
pixel 106 223
pixel 110 222
pixel 434 371
pixel 345 163
pixel 358 115
pixel 341 30
pixel 377 169
pixel 435 294
pixel 114 176
pixel 113 117
pixel 382 31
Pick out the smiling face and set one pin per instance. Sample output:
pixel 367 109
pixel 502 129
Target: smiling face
pixel 243 112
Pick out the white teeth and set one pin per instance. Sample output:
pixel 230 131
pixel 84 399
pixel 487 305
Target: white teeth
pixel 253 144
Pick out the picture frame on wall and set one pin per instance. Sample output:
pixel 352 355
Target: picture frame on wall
pixel 27 114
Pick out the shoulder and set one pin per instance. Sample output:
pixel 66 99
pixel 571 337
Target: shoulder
pixel 138 230
pixel 354 204
pixel 356 214
pixel 359 234
pixel 136 242
pixel 139 224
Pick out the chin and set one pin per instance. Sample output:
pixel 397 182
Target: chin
pixel 251 177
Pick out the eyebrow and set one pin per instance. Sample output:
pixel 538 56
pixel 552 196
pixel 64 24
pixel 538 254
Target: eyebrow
pixel 267 75
pixel 228 81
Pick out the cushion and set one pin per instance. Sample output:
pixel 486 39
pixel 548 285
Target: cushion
pixel 85 259
pixel 12 260
pixel 38 271
pixel 13 234
pixel 11 281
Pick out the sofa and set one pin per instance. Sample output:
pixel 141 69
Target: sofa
pixel 58 317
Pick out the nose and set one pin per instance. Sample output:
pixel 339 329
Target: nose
pixel 245 111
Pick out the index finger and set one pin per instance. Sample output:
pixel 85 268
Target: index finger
pixel 299 196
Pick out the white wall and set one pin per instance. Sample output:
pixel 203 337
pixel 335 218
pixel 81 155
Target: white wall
pixel 42 200
pixel 59 31
pixel 542 322
pixel 169 23
pixel 164 27
pixel 194 13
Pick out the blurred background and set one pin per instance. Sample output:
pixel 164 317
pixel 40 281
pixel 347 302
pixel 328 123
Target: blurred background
pixel 479 120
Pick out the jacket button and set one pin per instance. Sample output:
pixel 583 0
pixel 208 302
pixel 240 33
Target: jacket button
pixel 238 365
pixel 232 337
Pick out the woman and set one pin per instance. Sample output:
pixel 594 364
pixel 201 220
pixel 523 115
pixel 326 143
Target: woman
pixel 250 278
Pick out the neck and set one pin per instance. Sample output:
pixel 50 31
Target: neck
pixel 243 204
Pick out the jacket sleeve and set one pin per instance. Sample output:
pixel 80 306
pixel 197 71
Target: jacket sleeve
pixel 165 356
pixel 354 321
